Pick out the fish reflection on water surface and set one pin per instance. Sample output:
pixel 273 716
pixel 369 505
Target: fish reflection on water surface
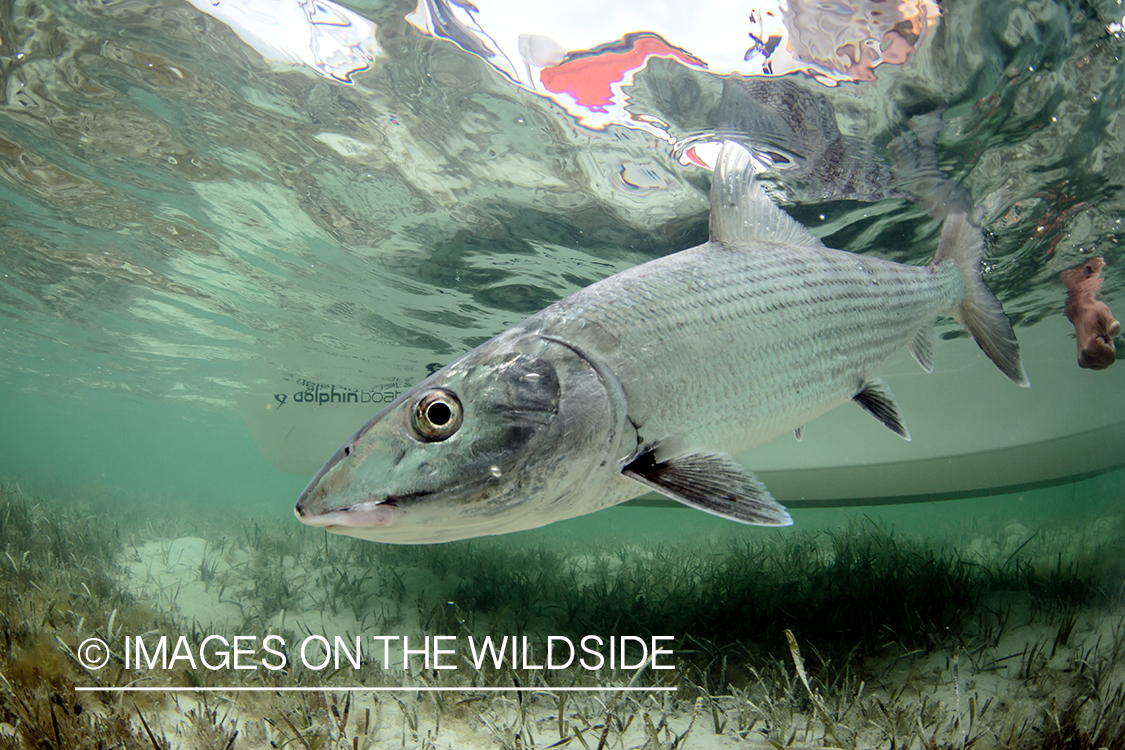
pixel 650 380
pixel 792 131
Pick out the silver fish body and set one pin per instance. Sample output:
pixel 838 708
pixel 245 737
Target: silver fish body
pixel 729 346
pixel 651 378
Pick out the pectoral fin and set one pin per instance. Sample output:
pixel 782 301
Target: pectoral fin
pixel 876 398
pixel 711 482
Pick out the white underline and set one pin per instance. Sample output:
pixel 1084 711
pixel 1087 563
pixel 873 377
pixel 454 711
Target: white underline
pixel 301 689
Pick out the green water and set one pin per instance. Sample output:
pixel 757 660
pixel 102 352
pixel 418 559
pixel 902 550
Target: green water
pixel 192 226
pixel 144 449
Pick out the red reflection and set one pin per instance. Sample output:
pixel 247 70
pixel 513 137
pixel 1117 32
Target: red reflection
pixel 589 79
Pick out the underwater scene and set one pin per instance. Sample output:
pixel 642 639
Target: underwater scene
pixel 460 375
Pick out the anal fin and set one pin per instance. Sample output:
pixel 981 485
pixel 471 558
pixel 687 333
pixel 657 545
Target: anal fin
pixel 876 398
pixel 711 482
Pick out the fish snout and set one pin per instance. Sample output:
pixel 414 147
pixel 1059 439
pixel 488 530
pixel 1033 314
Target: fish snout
pixel 314 499
pixel 303 508
pixel 323 505
pixel 311 503
pixel 314 509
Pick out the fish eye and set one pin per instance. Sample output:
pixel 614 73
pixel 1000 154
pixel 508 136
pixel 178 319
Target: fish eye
pixel 437 415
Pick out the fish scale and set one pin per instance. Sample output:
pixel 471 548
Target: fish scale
pixel 756 313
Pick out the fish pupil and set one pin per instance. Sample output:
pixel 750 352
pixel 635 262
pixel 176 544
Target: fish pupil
pixel 439 413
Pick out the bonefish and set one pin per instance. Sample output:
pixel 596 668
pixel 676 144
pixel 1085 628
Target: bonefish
pixel 652 378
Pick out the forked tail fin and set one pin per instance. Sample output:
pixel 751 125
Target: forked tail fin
pixel 980 312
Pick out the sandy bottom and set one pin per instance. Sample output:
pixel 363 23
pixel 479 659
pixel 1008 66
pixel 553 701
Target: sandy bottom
pixel 988 691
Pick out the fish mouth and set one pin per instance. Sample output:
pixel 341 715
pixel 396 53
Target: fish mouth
pixel 368 514
pixel 378 511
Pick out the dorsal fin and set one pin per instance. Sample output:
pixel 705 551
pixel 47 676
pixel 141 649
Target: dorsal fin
pixel 740 209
